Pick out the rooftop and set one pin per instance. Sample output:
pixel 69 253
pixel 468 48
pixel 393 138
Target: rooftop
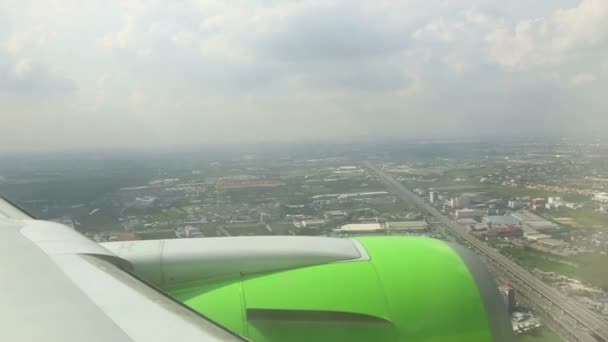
pixel 499 220
pixel 407 225
pixel 506 229
pixel 362 227
pixel 526 216
pixel 542 225
pixel 536 236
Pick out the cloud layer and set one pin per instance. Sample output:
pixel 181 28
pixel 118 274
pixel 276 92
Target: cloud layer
pixel 115 73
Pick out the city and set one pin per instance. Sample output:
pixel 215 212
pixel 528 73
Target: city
pixel 536 212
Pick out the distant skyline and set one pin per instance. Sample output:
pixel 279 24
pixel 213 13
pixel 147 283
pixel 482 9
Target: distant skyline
pixel 111 74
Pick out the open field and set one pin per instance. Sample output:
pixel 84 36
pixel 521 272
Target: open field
pixel 591 267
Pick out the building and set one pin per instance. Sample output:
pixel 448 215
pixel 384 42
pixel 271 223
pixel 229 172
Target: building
pixel 467 221
pixel 362 194
pixel 557 202
pixel 515 204
pixel 419 192
pixel 501 232
pixel 601 197
pixel 467 214
pixel 508 295
pixel 310 224
pixel 362 228
pixel 535 236
pixel 532 222
pixel 408 226
pixel 193 232
pixel 433 196
pixel 334 215
pixel 526 216
pixel 460 202
pixel 544 225
pixel 349 170
pixel 125 236
pixel 500 220
pixel 538 203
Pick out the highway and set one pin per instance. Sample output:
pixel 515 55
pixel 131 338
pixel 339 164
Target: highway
pixel 571 317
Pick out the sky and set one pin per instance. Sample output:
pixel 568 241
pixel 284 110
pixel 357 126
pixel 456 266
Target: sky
pixel 111 74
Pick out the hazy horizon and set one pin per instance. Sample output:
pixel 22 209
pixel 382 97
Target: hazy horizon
pixel 77 75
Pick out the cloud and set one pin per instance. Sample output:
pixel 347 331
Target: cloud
pixel 122 38
pixel 580 79
pixel 330 32
pixel 559 38
pixel 26 77
pixel 210 70
pixel 182 38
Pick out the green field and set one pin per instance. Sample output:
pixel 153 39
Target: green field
pixel 341 186
pixel 440 182
pixel 514 191
pixel 539 335
pixel 500 190
pixel 391 208
pixel 586 218
pixel 591 267
pixel 533 259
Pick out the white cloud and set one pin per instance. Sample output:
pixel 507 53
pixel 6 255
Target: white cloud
pixel 553 40
pixel 122 38
pixel 182 38
pixel 23 68
pixel 211 69
pixel 439 30
pixel 213 23
pixel 580 79
pixel 26 77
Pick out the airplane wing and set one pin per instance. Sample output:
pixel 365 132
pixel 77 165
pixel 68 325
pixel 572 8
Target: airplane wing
pixel 57 285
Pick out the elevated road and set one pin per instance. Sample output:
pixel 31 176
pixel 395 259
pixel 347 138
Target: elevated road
pixel 571 317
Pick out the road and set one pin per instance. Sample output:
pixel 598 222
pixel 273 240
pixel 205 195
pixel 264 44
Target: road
pixel 571 317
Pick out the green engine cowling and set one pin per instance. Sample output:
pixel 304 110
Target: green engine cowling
pixel 408 289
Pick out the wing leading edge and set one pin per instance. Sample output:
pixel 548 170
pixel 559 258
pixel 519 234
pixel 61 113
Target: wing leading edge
pixel 59 286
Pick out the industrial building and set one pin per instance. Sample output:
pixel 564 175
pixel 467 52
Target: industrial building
pixel 334 214
pixel 408 226
pixel 501 232
pixel 538 203
pixel 350 195
pixel 460 202
pixel 500 220
pixel 557 203
pixel 532 222
pixel 535 236
pixel 467 221
pixel 467 214
pixel 515 204
pixel 362 228
pixel 384 227
pixel 601 197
